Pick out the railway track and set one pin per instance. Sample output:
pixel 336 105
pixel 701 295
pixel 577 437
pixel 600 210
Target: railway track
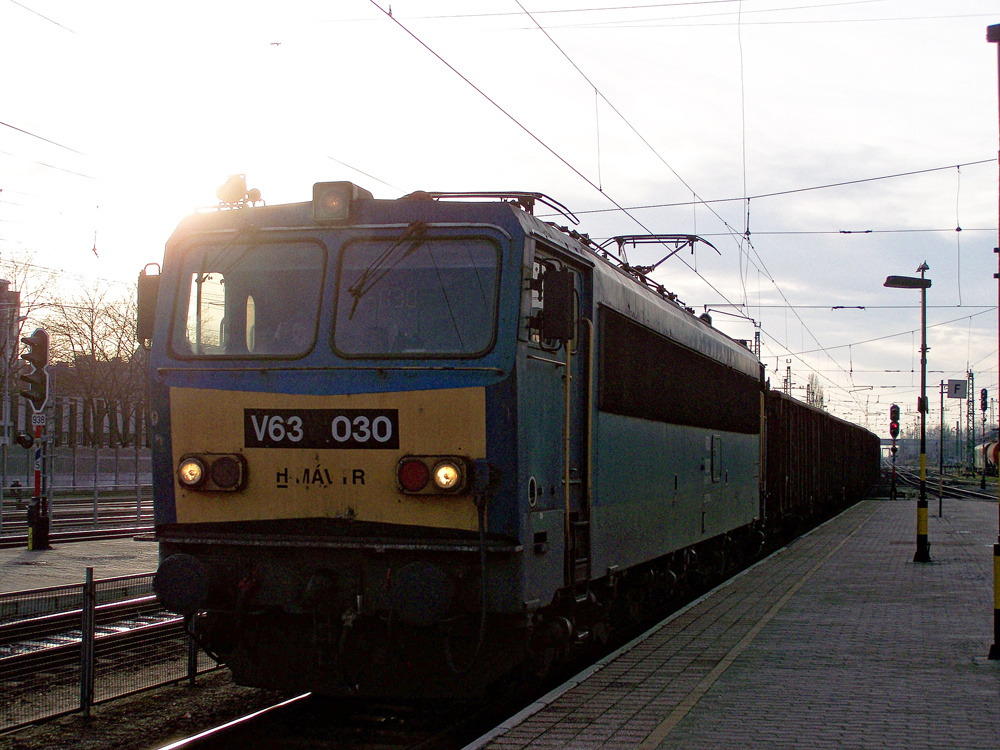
pixel 84 535
pixel 312 721
pixel 49 640
pixel 80 518
pixel 950 487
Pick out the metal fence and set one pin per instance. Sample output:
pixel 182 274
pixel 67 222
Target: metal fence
pixel 63 649
pixel 89 487
pixel 80 466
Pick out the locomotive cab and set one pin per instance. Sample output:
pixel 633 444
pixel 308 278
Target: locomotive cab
pixel 330 441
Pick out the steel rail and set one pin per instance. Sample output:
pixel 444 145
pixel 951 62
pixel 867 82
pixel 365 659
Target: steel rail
pixel 912 479
pixel 43 626
pixel 221 733
pixel 86 535
pixel 64 648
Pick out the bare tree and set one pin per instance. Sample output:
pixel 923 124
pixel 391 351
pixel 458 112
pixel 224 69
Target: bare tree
pixel 92 342
pixel 29 292
pixel 814 391
pixel 25 291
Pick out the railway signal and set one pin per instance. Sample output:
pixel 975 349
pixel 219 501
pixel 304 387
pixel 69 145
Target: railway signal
pixel 894 432
pixel 984 403
pixel 37 392
pixel 37 380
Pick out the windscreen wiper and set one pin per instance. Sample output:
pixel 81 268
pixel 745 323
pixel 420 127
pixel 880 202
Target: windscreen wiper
pixel 415 235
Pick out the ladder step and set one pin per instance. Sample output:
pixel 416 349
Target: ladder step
pixel 580 558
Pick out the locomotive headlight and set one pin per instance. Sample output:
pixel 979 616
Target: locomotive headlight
pixel 213 472
pixel 191 472
pixel 447 475
pixel 432 475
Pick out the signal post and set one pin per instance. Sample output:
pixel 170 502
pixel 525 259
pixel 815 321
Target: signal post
pixel 36 391
pixel 984 405
pixel 894 432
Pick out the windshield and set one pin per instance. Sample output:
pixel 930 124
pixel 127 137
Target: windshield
pixel 417 297
pixel 245 299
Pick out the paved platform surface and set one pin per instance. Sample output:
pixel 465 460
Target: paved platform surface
pixel 67 563
pixel 838 641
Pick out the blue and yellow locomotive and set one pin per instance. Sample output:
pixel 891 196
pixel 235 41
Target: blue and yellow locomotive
pixel 404 446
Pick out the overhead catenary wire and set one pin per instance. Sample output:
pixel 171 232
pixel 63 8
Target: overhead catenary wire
pixel 798 355
pixel 13 265
pixel 630 126
pixel 746 234
pixel 743 147
pixel 762 267
pixel 740 240
pixel 958 233
pixel 41 138
pixel 681 22
pixel 892 335
pixel 788 305
pixel 658 6
pixel 531 134
pixel 53 22
pixel 49 166
pixel 792 191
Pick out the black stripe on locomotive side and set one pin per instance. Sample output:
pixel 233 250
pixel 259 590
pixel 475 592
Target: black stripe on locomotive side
pixel 644 374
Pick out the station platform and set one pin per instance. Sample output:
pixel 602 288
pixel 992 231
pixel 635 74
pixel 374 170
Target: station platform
pixel 67 562
pixel 839 640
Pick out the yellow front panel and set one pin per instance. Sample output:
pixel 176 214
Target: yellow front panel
pixel 330 483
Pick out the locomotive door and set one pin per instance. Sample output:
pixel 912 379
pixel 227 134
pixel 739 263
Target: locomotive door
pixel 561 344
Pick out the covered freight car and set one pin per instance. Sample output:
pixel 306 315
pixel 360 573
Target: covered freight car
pixel 813 463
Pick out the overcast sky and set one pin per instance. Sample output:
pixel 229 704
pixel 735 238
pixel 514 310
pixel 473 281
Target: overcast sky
pixel 864 133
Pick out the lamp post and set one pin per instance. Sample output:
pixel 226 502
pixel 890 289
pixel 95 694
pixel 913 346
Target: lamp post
pixel 993 37
pixel 909 282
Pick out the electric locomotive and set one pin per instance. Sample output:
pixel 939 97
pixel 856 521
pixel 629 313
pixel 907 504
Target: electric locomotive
pixel 402 447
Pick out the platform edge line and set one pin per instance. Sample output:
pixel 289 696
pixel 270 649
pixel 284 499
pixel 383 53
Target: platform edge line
pixel 653 740
pixel 565 687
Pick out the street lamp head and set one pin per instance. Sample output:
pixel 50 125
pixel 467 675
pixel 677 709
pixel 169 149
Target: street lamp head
pixel 906 282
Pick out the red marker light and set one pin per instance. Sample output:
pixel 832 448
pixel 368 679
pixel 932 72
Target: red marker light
pixel 413 475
